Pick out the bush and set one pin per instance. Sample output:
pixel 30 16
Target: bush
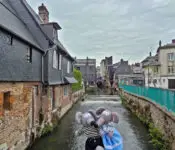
pixel 47 130
pixel 78 77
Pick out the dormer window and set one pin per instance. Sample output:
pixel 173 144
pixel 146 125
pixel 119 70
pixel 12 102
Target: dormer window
pixel 55 59
pixel 55 34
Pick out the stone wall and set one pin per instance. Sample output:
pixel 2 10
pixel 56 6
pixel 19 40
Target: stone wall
pixel 16 122
pixel 30 107
pixel 153 113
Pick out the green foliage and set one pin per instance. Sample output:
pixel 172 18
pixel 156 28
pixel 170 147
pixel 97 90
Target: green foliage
pixel 78 77
pixel 157 138
pixel 47 129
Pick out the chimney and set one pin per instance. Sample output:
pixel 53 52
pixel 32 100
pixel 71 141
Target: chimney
pixel 160 43
pixel 43 13
pixel 150 54
pixel 121 60
pixel 173 41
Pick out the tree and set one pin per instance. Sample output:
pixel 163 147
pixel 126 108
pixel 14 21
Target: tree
pixel 78 76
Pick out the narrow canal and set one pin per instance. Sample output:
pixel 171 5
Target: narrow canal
pixel 134 133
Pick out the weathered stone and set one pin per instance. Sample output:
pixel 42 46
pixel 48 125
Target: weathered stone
pixel 152 112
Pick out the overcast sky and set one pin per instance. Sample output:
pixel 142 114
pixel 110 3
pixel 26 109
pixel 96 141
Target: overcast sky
pixel 122 28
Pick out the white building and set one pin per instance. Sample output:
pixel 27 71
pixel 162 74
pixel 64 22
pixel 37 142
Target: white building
pixel 159 70
pixel 102 68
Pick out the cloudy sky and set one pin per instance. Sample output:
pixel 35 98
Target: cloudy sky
pixel 126 29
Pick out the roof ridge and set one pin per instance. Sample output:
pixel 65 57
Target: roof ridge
pixel 24 4
pixel 11 11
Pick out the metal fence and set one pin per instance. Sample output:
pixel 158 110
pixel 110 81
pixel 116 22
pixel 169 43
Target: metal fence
pixel 164 97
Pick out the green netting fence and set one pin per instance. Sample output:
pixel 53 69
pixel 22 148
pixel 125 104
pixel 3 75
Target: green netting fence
pixel 164 97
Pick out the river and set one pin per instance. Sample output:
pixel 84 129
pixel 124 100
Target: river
pixel 134 134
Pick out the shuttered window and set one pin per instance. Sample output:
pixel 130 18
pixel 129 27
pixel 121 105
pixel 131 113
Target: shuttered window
pixel 6 104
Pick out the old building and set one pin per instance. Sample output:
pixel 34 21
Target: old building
pixel 121 71
pixel 159 70
pixel 106 70
pixel 98 72
pixel 88 69
pixel 35 73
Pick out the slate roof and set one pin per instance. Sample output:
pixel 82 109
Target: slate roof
pixel 16 15
pixel 12 23
pixel 40 22
pixel 122 68
pixel 151 61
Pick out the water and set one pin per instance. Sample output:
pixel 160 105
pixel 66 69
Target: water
pixel 134 133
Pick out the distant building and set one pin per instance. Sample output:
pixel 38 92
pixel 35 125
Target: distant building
pixel 123 73
pixel 98 72
pixel 159 70
pixel 106 70
pixel 102 68
pixel 137 68
pixel 88 69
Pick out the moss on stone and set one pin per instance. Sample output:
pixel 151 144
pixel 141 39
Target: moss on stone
pixel 47 130
pixel 156 137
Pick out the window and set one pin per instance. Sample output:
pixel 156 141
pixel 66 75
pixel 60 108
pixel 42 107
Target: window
pixel 7 104
pixel 55 34
pixel 29 55
pixel 170 56
pixel 68 67
pixel 171 69
pixel 171 83
pixel 55 59
pixel 156 69
pixel 60 61
pixel 65 91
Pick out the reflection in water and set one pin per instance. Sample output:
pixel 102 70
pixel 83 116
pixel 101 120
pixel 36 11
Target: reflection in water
pixel 134 133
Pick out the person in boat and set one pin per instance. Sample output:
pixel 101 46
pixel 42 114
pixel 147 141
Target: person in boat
pixel 90 129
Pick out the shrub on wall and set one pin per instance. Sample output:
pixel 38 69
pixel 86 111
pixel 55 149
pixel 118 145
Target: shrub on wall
pixel 78 76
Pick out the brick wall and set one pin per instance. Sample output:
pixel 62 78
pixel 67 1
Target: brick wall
pixel 15 123
pixel 162 119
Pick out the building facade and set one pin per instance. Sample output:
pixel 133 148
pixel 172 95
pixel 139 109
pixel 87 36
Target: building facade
pixel 88 69
pixel 159 70
pixel 36 73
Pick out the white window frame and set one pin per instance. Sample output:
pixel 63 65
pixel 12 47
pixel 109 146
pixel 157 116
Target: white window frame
pixel 170 56
pixel 55 59
pixel 60 61
pixel 68 66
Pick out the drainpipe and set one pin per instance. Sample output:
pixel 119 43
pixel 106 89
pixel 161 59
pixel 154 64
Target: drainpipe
pixel 42 63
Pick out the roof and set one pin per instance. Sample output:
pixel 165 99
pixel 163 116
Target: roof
pixel 70 80
pixel 13 24
pixel 149 58
pixel 170 45
pixel 26 7
pixel 40 22
pixel 151 61
pixel 123 68
pixel 55 24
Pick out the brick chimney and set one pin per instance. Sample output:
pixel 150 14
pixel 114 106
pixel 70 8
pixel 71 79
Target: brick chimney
pixel 43 13
pixel 173 41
